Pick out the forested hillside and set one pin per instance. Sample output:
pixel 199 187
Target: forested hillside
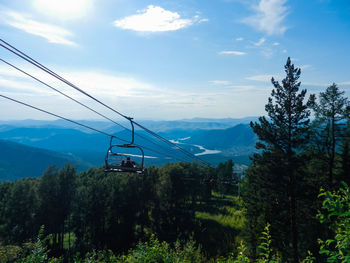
pixel 19 161
pixel 95 210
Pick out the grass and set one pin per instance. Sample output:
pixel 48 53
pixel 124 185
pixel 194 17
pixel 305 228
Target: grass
pixel 221 220
pixel 65 240
pixel 223 209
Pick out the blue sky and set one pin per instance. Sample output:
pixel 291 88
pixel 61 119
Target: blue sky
pixel 171 59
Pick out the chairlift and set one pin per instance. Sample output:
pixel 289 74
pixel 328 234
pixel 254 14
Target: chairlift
pixel 118 161
pixel 208 181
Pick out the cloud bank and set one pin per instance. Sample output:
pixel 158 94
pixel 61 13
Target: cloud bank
pixel 268 17
pixel 52 33
pixel 156 19
pixel 230 52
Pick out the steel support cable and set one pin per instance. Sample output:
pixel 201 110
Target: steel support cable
pixel 170 143
pixel 42 67
pixel 62 93
pixel 81 124
pixel 58 116
pixel 52 73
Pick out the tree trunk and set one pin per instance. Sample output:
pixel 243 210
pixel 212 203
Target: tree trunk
pixel 292 214
pixel 294 229
pixel 331 159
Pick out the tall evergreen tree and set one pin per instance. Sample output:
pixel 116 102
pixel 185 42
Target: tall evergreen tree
pixel 20 211
pixel 329 125
pixel 344 174
pixel 55 192
pixel 284 134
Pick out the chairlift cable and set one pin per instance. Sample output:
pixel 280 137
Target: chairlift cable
pixel 82 104
pixel 58 116
pixel 83 125
pixel 170 143
pixel 52 73
pixel 60 92
pixel 42 67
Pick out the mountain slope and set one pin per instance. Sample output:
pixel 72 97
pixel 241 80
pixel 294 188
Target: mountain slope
pixel 56 139
pixel 239 136
pixel 235 142
pixel 18 161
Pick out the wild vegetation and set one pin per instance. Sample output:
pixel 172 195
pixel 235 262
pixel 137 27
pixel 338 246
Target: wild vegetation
pixel 294 207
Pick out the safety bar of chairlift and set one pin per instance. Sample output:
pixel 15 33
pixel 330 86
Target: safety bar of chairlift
pixel 126 146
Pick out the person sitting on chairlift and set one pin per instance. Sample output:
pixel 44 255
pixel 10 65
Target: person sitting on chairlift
pixel 129 163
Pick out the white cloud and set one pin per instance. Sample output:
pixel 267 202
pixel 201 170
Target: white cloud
pixel 260 42
pixel 269 17
pixel 305 67
pixel 51 33
pixel 23 88
pixel 284 51
pixel 220 82
pixel 127 94
pixel 14 82
pixel 243 87
pixel 64 9
pixel 94 82
pixel 276 44
pixel 9 72
pixel 267 52
pixel 109 85
pixel 262 78
pixel 200 20
pixel 316 84
pixel 239 39
pixel 156 19
pixel 229 52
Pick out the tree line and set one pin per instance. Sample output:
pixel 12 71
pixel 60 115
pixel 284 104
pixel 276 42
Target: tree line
pixel 96 211
pixel 304 146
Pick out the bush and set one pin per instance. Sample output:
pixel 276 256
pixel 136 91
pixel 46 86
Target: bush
pixel 336 212
pixel 160 252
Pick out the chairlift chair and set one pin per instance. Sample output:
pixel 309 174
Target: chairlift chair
pixel 117 161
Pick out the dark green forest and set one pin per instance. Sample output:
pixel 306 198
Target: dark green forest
pixel 291 205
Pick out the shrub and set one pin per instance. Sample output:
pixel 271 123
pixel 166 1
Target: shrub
pixel 336 212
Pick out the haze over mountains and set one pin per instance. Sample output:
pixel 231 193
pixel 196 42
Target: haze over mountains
pixel 59 142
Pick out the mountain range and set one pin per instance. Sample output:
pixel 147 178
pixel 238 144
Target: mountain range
pixel 18 161
pixel 38 144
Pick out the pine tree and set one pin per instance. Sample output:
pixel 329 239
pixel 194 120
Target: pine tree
pixel 344 175
pixel 284 134
pixel 329 125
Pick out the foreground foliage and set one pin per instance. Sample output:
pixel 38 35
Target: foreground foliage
pixel 336 208
pixel 336 212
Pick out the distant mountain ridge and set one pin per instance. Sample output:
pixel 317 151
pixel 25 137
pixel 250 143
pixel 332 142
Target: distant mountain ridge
pixel 238 137
pixel 157 126
pixel 213 142
pixel 18 161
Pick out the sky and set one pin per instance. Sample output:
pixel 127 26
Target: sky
pixel 167 60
